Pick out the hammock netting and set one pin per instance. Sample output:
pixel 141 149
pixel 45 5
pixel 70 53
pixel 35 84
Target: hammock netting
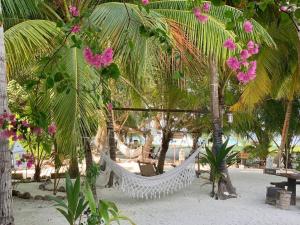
pixel 138 186
pixel 128 152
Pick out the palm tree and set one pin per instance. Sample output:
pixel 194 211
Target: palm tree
pixel 121 26
pixel 204 37
pixel 6 216
pixel 278 77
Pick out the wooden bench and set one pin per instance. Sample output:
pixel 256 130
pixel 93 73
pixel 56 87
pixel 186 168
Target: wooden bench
pixel 147 169
pixel 283 184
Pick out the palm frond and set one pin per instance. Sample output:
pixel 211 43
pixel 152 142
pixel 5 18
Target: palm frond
pixel 28 41
pixel 209 37
pixel 16 11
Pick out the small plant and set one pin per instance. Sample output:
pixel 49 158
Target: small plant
pixel 76 203
pixel 216 162
pixel 104 213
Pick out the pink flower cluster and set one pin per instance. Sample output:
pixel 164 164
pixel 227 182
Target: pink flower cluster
pixel 28 158
pixel 52 129
pixel 198 12
pixel 37 131
pixel 8 126
pixel 246 71
pixel 248 27
pixel 73 11
pixel 75 29
pixel 145 2
pixel 110 106
pixel 99 60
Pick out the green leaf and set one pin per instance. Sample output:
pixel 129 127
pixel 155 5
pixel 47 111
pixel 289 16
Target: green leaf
pixel 229 14
pixel 177 75
pixel 66 215
pixel 29 84
pixel 49 83
pixel 58 77
pixel 104 211
pixel 111 71
pixel 90 198
pixel 297 13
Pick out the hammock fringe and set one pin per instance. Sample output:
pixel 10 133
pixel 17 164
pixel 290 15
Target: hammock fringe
pixel 137 186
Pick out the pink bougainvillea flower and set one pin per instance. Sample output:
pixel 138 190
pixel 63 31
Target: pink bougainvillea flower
pixel 2 135
pixel 99 60
pixel 15 137
pixel 13 123
pixel 200 17
pixel 25 123
pixel 107 57
pixel 12 117
pixel 29 164
pixel 52 129
pixel 110 106
pixel 283 8
pixel 251 45
pixel 233 63
pixel 37 131
pixel 248 27
pixel 245 54
pixel 245 64
pixel 206 7
pixel 252 70
pixel 74 11
pixel 253 48
pixel 75 29
pixel 5 115
pixel 20 137
pixel 197 12
pixel 229 43
pixel 145 2
pixel 88 55
pixel 18 163
pixel 243 77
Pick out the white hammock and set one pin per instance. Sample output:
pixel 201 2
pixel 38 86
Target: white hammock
pixel 128 152
pixel 138 186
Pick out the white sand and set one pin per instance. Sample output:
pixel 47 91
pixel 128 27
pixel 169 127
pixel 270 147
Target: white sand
pixel 191 206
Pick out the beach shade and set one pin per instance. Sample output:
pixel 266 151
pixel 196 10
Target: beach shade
pixel 17 151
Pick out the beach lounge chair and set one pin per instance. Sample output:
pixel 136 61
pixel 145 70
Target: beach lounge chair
pixel 147 169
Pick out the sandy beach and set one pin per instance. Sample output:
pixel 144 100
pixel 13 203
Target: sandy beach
pixel 190 206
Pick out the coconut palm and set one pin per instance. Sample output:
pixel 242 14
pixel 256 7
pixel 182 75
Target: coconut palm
pixel 278 77
pixel 204 37
pixel 121 27
pixel 5 157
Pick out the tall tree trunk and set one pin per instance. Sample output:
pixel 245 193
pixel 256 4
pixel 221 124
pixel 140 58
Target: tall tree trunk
pixel 73 167
pixel 224 184
pixel 101 138
pixel 167 136
pixel 88 160
pixel 111 142
pixel 195 142
pixel 285 131
pixel 6 214
pixel 37 172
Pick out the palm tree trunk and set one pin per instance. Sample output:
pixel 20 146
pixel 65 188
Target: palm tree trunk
pixel 88 160
pixel 285 130
pixel 224 184
pixel 37 172
pixel 73 167
pixel 111 142
pixel 6 214
pixel 167 136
